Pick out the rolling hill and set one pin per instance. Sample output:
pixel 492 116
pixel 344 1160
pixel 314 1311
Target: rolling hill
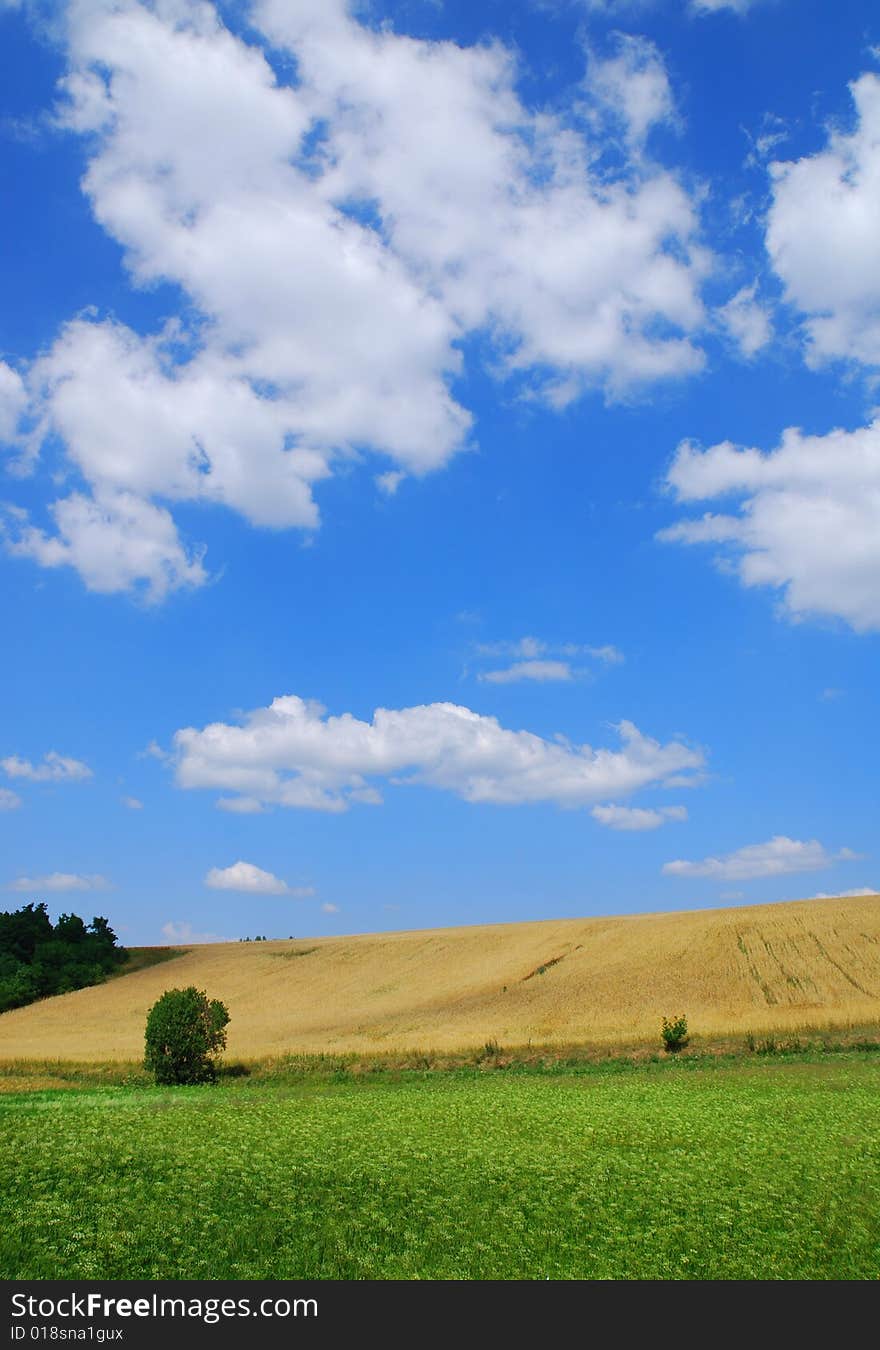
pixel 780 967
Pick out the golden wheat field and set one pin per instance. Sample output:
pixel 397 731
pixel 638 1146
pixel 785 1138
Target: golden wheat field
pixel 798 964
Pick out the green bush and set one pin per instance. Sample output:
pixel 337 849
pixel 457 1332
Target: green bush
pixel 185 1031
pixel 674 1033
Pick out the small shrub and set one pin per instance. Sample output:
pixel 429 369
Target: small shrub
pixel 185 1030
pixel 674 1034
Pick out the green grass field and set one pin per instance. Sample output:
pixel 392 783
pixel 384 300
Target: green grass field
pixel 761 1169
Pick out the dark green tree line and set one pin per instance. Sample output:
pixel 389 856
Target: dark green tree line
pixel 39 958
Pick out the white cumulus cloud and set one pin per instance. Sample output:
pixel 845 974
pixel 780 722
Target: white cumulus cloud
pixel 808 522
pixel 774 858
pixel 245 876
pixel 823 236
pixel 9 801
pixel 116 541
pixel 335 241
pixel 293 754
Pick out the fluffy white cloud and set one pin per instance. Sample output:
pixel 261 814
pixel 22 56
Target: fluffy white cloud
pixel 116 541
pixel 9 801
pixel 637 817
pixel 330 909
pixel 133 803
pixel 746 320
pixel 809 518
pixel 292 754
pixel 775 858
pixel 823 239
pixel 334 242
pixel 245 876
pixel 633 87
pixel 55 768
pixel 60 881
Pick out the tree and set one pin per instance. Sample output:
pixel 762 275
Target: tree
pixel 185 1031
pixel 24 930
pixel 37 959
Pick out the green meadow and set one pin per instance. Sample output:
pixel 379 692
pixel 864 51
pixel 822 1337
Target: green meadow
pixel 751 1169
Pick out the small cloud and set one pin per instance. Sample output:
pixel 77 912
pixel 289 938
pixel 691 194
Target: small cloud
pixel 773 132
pixel 330 909
pixel 541 671
pixel 679 780
pixel 528 648
pixel 55 768
pixel 133 803
pixel 776 857
pixel 637 818
pixel 244 806
pixel 389 482
pixel 746 321
pixel 9 801
pixel 611 655
pixel 844 895
pixel 183 932
pixel 543 662
pixel 827 695
pixel 848 855
pixel 715 6
pixel 733 895
pixel 60 881
pixel 155 751
pixel 246 877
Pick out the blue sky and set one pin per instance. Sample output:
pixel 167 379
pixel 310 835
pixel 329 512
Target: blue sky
pixel 441 475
